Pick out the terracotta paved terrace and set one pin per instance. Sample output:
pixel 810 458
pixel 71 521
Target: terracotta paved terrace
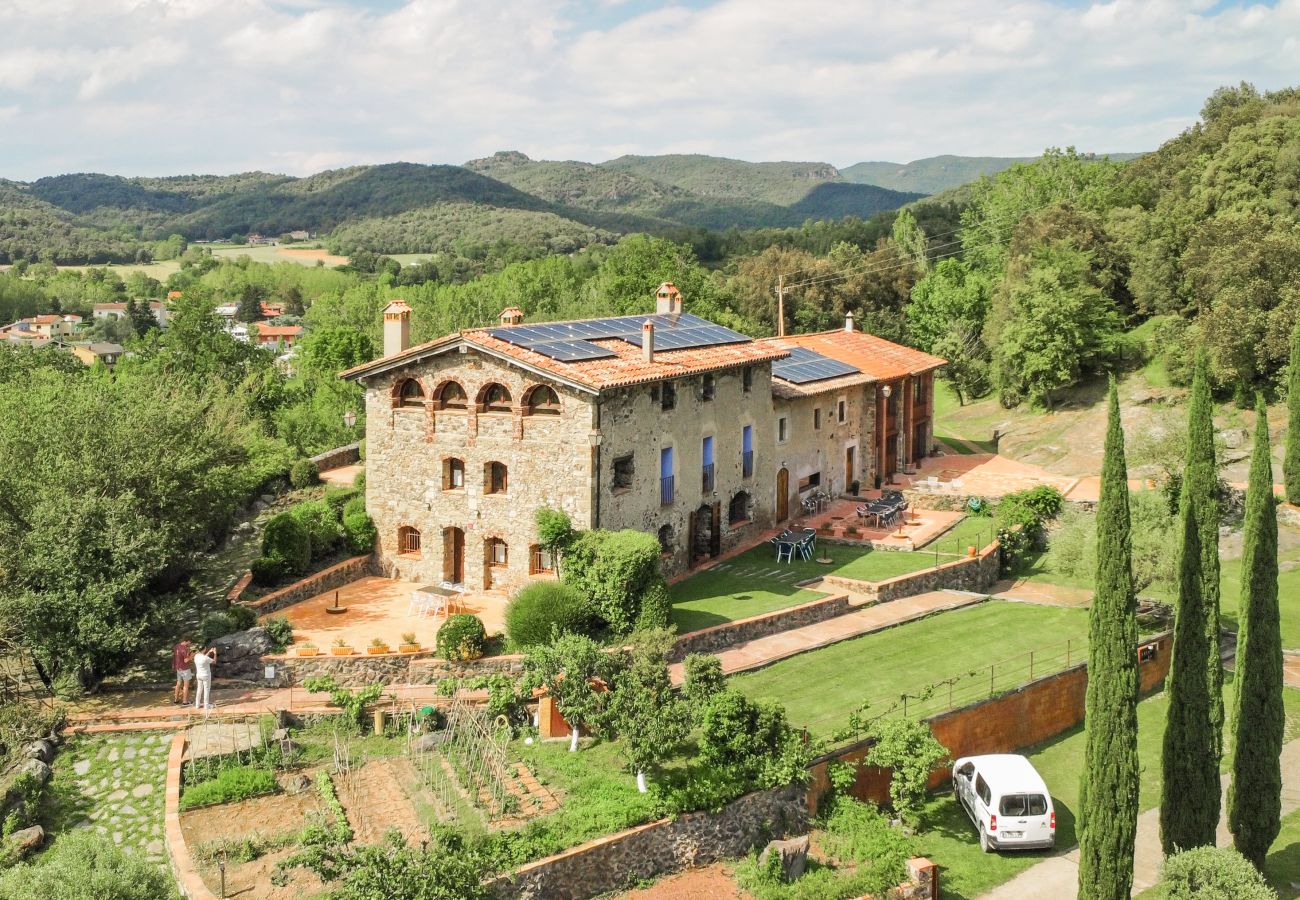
pixel 981 475
pixel 919 526
pixel 343 476
pixel 380 608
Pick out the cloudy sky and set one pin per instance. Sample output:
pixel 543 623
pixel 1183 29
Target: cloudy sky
pixel 179 86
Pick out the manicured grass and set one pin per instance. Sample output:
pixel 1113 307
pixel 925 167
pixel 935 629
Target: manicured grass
pixel 948 837
pixel 1283 864
pixel 821 688
pixel 976 531
pixel 754 582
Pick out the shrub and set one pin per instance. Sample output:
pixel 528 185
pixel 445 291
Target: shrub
pixel 461 637
pixel 339 498
pixel 704 681
pixel 361 449
pixel 359 483
pixel 619 571
pixel 543 608
pixel 1211 873
pixel 280 630
pixel 751 741
pixel 285 538
pixel 267 570
pixel 232 783
pixel 82 865
pixel 323 527
pixel 359 532
pixel 304 473
pixel 215 625
pixel 242 616
pixel 554 528
pixel 908 748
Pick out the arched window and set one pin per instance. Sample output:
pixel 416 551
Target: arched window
pixel 666 539
pixel 495 478
pixel 494 398
pixel 540 560
pixel 453 474
pixel 408 541
pixel 543 401
pixel 738 510
pixel 451 395
pixel 408 394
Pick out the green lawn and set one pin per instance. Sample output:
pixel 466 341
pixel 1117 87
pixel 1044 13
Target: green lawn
pixel 977 531
pixel 949 839
pixel 754 582
pixel 1283 864
pixel 821 688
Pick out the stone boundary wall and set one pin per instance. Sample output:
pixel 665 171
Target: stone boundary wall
pixel 975 574
pixel 336 576
pixel 728 634
pixel 179 858
pixel 1008 723
pixel 616 861
pixel 338 457
pixel 361 669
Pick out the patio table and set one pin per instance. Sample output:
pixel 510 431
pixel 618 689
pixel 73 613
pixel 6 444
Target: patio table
pixel 440 597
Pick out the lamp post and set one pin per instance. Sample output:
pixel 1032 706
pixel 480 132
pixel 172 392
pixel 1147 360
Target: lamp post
pixel 349 419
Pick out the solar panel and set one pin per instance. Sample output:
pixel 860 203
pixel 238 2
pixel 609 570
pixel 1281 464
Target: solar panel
pixel 572 351
pixel 803 366
pixel 571 341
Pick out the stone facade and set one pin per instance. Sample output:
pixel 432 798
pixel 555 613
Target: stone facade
pixel 817 445
pixel 620 860
pixel 410 482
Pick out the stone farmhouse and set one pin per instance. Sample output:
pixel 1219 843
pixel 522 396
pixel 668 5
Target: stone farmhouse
pixel 664 423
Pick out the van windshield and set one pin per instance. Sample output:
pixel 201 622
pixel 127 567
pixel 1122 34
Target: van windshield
pixel 1023 805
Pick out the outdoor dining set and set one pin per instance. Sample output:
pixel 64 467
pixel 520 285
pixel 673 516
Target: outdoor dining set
pixel 788 543
pixel 888 510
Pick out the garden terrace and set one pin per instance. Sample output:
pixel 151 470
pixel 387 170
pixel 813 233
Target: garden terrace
pixel 822 688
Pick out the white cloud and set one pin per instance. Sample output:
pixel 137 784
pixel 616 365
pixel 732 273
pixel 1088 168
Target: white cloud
pixel 159 86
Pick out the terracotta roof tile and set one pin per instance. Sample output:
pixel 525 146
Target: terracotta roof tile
pixel 874 356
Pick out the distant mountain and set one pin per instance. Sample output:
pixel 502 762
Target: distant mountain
pixel 937 173
pixel 780 183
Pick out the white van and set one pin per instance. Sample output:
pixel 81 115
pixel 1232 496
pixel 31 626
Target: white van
pixel 1007 800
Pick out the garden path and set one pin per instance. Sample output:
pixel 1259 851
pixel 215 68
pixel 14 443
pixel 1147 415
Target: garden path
pixel 766 650
pixel 1056 878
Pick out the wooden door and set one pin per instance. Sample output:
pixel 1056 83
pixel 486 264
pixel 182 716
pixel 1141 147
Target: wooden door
pixel 782 495
pixel 849 476
pixel 453 556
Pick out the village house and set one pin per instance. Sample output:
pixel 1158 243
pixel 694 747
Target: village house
pixel 39 330
pixel 664 423
pixel 91 352
pixel 274 335
pixel 118 310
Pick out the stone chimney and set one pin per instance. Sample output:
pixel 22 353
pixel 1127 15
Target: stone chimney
pixel 397 327
pixel 848 321
pixel 512 316
pixel 648 341
pixel 668 300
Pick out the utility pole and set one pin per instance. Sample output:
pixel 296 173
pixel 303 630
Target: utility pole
pixel 780 306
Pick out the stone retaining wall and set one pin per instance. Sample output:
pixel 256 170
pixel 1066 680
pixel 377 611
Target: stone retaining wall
pixel 978 573
pixel 620 860
pixel 728 634
pixel 338 457
pixel 360 669
pixel 336 576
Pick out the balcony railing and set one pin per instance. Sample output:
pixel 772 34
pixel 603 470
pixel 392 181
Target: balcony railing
pixel 747 464
pixel 666 492
pixel 707 480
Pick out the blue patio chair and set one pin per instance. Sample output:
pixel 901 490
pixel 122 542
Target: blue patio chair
pixel 786 549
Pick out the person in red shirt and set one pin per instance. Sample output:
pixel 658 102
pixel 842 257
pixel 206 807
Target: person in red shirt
pixel 182 660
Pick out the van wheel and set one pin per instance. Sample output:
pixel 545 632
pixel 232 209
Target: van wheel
pixel 985 844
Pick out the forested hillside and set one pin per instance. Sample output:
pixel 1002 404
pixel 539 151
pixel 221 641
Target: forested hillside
pixel 931 175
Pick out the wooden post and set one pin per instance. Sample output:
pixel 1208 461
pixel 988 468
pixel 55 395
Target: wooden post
pixel 780 306
pixel 379 721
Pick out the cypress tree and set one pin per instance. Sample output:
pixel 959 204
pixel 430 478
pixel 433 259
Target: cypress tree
pixel 1189 797
pixel 1255 797
pixel 1201 489
pixel 1291 461
pixel 1108 803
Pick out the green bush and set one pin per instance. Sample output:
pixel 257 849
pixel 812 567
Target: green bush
pixel 543 608
pixel 304 473
pixel 619 571
pixel 242 616
pixel 359 483
pixel 1211 873
pixel 359 532
pixel 751 741
pixel 338 498
pixel 215 625
pixel 82 865
pixel 361 449
pixel 704 681
pixel 356 504
pixel 910 750
pixel 461 637
pixel 232 783
pixel 323 526
pixel 280 630
pixel 285 538
pixel 267 570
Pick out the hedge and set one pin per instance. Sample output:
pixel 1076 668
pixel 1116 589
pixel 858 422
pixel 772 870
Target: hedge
pixel 286 538
pixel 544 608
pixel 619 571
pixel 322 524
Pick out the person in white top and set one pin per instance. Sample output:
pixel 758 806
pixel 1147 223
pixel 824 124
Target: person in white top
pixel 203 661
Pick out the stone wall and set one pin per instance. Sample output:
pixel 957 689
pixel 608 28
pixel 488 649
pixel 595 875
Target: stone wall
pixel 620 860
pixel 976 574
pixel 809 450
pixel 338 457
pixel 336 576
pixel 548 462
pixel 360 669
pixel 634 424
pixel 1008 723
pixel 728 634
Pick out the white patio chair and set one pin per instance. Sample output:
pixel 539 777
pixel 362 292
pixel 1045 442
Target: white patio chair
pixel 957 485
pixel 420 604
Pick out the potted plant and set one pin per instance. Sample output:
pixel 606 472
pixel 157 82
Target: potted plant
pixel 409 643
pixel 307 649
pixel 341 648
pixel 377 646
